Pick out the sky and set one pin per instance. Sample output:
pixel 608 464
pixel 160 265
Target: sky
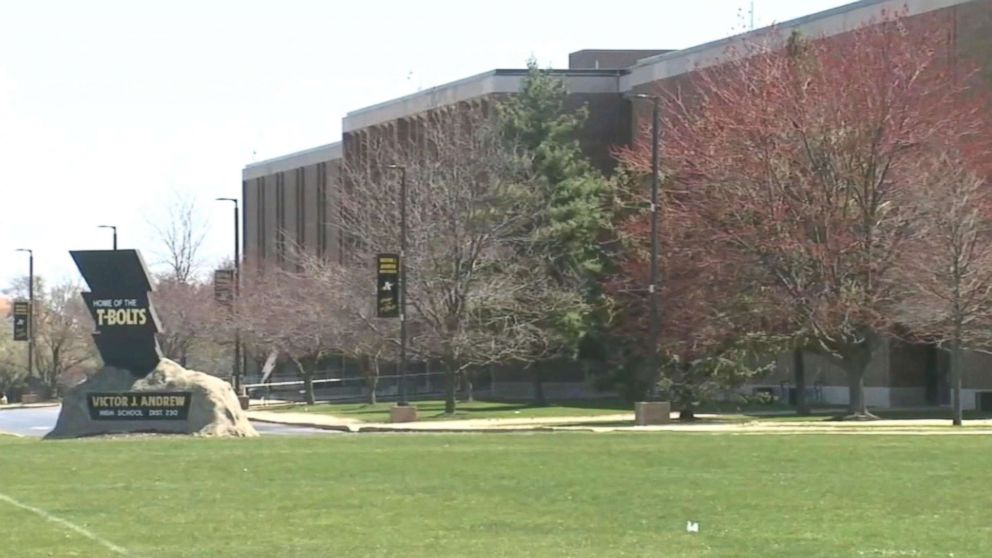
pixel 111 110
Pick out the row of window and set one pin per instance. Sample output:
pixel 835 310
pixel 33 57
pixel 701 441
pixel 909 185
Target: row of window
pixel 288 242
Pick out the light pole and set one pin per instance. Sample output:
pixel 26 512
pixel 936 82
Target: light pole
pixel 30 309
pixel 237 292
pixel 114 227
pixel 653 286
pixel 402 269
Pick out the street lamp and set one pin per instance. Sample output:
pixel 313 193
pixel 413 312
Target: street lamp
pixel 114 227
pixel 31 309
pixel 402 273
pixel 237 292
pixel 653 286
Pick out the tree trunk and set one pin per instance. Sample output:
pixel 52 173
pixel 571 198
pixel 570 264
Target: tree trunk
pixel 307 382
pixel 449 392
pixel 855 363
pixel 957 419
pixel 372 378
pixel 686 414
pixel 799 370
pixel 469 386
pixel 372 383
pixel 308 386
pixel 539 399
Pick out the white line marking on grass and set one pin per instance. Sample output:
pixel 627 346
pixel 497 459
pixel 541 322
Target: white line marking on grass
pixel 67 524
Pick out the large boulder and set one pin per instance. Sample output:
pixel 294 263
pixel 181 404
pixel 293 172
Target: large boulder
pixel 214 409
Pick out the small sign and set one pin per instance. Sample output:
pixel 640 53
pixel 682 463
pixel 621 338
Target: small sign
pixel 22 315
pixel 139 405
pixel 224 286
pixel 387 289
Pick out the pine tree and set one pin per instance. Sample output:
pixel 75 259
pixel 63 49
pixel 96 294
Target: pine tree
pixel 570 232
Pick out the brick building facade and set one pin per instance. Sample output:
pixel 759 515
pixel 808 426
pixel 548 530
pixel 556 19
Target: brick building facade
pixel 289 202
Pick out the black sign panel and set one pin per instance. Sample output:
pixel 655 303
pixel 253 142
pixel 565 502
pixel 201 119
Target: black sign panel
pixel 22 313
pixel 387 290
pixel 118 302
pixel 224 286
pixel 139 405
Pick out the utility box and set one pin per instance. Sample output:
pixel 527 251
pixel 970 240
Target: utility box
pixel 647 413
pixel 983 401
pixel 402 413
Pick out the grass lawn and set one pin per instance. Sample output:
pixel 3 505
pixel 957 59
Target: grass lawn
pixel 434 410
pixel 581 495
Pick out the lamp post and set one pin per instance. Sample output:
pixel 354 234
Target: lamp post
pixel 402 269
pixel 114 227
pixel 237 292
pixel 30 309
pixel 653 286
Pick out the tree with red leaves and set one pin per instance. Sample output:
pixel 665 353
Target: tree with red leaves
pixel 708 304
pixel 794 161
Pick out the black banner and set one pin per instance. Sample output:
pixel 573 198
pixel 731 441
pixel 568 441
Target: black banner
pixel 118 301
pixel 387 291
pixel 22 313
pixel 224 286
pixel 139 405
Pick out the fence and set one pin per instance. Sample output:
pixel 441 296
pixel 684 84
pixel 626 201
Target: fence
pixel 356 388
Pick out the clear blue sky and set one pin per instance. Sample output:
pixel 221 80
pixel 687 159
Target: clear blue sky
pixel 108 107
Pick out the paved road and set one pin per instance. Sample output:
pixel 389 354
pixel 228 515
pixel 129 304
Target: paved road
pixel 38 421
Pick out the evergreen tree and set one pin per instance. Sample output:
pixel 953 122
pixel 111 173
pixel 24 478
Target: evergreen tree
pixel 571 231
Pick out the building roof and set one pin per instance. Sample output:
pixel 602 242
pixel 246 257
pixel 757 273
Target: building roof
pixel 826 23
pixel 312 156
pixel 493 81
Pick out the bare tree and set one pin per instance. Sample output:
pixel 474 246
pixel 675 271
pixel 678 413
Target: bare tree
pixel 188 314
pixel 63 329
pixel 361 335
pixel 295 315
pixel 475 296
pixel 181 236
pixel 947 278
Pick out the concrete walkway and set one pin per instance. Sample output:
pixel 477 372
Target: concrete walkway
pixel 330 422
pixel 711 424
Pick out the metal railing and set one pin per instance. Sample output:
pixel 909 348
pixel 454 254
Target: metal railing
pixel 351 388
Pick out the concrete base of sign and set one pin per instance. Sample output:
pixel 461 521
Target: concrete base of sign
pixel 214 409
pixel 652 412
pixel 402 413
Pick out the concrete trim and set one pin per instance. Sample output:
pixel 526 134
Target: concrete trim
pixel 826 23
pixel 283 163
pixel 473 87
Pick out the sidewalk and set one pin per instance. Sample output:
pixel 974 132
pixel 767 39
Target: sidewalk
pixel 329 422
pixel 709 424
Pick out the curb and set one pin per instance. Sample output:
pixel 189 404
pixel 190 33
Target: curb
pixel 334 427
pixel 380 429
pixel 16 406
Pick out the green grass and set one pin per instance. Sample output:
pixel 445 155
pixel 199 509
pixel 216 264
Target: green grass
pixel 434 410
pixel 581 495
